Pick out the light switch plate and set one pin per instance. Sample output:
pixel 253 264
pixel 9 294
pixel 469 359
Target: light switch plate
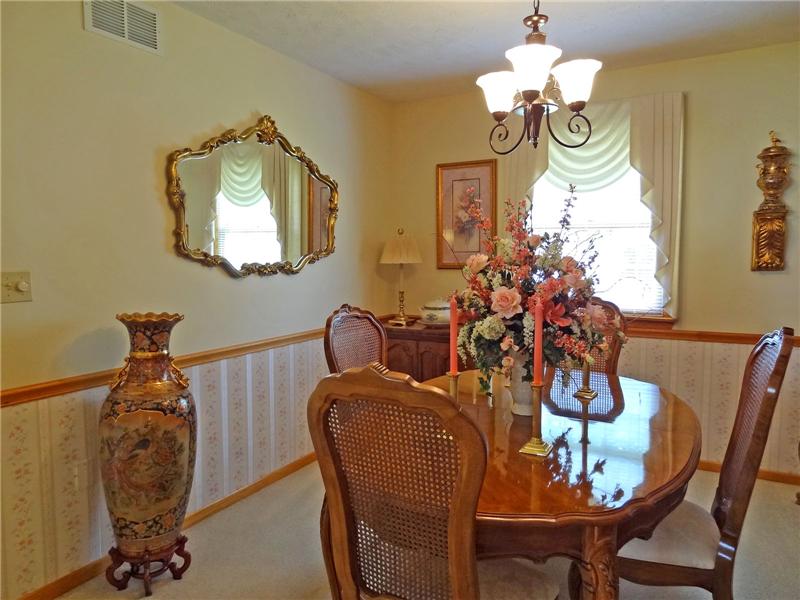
pixel 16 287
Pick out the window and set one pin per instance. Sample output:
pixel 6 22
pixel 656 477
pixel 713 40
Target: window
pixel 246 234
pixel 620 224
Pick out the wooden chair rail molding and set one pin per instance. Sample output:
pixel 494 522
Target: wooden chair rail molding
pixel 47 389
pixel 59 387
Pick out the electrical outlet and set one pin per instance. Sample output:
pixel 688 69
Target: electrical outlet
pixel 16 287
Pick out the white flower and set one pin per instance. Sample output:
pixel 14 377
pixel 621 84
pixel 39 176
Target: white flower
pixel 491 328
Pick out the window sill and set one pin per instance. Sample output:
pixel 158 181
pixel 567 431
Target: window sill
pixel 641 322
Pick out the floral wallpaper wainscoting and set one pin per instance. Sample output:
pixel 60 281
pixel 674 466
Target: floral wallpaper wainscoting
pixel 708 376
pixel 252 421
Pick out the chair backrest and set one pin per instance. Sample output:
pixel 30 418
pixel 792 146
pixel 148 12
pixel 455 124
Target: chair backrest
pixel 403 469
pixel 353 338
pixel 761 384
pixel 605 361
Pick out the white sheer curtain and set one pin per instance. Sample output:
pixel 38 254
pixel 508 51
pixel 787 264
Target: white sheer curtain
pixel 283 184
pixel 657 153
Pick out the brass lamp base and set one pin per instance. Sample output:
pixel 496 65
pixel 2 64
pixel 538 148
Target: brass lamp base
pixel 536 447
pixel 402 321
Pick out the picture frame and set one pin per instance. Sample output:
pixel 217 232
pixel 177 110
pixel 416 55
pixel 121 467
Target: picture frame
pixel 319 196
pixel 457 236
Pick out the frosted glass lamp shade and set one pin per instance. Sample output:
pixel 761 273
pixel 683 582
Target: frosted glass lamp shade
pixel 575 78
pixel 401 250
pixel 498 88
pixel 532 64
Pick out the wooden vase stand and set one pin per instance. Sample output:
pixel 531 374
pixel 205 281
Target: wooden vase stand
pixel 141 565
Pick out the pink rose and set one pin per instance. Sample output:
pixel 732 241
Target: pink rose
pixel 534 241
pixel 506 302
pixel 597 316
pixel 508 342
pixel 574 279
pixel 568 264
pixel 477 262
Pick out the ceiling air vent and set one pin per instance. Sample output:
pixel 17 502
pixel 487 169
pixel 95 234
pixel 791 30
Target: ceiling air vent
pixel 129 22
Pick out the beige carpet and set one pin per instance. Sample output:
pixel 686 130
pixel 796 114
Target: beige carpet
pixel 267 546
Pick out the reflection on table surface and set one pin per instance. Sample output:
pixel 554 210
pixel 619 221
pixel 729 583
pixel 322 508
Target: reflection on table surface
pixel 654 437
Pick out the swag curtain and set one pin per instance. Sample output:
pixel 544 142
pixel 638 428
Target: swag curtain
pixel 645 133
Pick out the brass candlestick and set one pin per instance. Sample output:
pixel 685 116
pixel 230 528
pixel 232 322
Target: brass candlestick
pixel 536 446
pixel 453 377
pixel 585 395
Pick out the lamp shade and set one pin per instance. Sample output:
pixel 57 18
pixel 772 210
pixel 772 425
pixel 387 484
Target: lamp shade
pixel 532 64
pixel 401 250
pixel 575 78
pixel 499 88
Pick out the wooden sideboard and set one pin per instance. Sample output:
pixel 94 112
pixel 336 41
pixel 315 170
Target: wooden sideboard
pixel 422 352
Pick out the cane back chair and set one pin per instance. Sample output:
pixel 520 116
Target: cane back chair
pixel 353 338
pixel 692 547
pixel 403 468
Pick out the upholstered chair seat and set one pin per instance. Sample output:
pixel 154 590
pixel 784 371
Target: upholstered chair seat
pixel 688 537
pixel 514 579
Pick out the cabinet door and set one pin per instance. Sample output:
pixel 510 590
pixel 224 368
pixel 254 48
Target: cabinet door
pixel 402 356
pixel 433 359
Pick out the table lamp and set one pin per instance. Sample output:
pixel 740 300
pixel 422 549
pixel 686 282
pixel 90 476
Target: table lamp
pixel 401 250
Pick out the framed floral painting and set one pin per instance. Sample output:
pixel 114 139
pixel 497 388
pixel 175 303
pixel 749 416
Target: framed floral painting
pixel 458 186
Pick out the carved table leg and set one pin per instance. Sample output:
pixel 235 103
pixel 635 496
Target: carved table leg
pixel 598 563
pixel 574 582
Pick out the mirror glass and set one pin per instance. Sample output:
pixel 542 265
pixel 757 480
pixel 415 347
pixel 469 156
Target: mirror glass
pixel 259 207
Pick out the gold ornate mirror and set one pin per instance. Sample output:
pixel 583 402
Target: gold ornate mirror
pixel 251 203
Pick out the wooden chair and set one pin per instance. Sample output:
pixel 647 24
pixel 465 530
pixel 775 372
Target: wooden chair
pixel 403 468
pixel 353 338
pixel 692 547
pixel 606 361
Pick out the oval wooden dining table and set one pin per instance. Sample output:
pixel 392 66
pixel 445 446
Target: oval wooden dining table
pixel 615 471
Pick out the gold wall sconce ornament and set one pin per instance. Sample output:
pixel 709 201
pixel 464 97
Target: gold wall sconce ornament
pixel 769 221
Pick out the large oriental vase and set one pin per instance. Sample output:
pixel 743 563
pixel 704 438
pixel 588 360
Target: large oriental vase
pixel 147 452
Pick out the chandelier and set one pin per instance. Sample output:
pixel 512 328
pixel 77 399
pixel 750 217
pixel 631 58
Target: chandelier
pixel 532 88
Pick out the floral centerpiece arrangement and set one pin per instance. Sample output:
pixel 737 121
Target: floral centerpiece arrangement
pixel 507 281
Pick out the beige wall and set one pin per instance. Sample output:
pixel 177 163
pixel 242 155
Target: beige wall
pixel 732 101
pixel 87 123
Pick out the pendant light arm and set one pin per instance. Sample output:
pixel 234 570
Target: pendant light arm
pixel 573 126
pixel 502 136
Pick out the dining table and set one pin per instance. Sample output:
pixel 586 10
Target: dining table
pixel 618 466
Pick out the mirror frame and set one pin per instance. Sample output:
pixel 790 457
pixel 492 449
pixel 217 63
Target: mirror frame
pixel 265 132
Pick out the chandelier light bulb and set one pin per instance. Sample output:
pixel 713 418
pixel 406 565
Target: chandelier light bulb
pixel 498 88
pixel 575 79
pixel 532 64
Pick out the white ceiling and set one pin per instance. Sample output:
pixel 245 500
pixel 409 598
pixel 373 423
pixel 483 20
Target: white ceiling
pixel 411 50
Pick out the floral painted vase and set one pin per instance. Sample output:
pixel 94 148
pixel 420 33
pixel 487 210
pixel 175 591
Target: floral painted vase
pixel 148 433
